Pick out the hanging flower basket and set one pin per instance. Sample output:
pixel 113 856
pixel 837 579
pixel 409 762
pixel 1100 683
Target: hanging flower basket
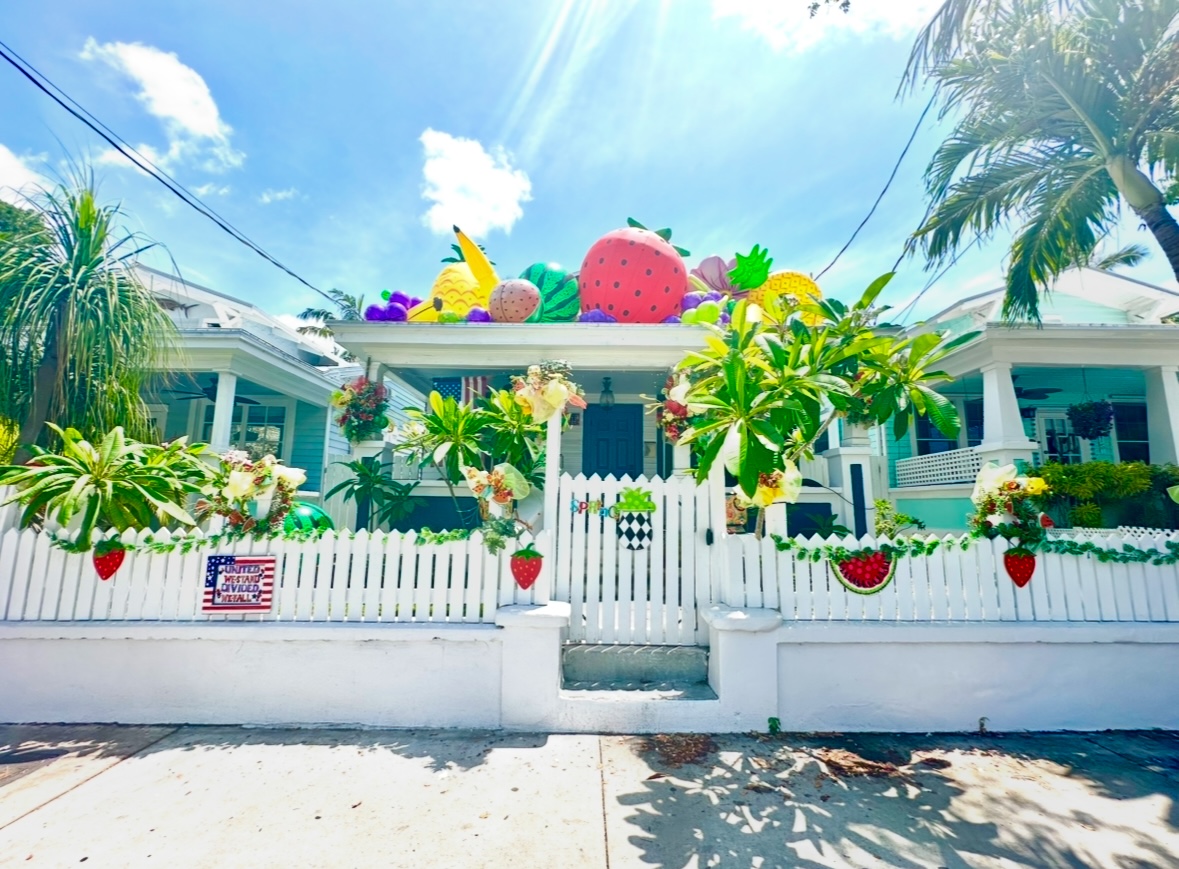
pixel 1091 419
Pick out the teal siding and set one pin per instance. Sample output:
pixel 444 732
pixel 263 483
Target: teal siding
pixel 1073 309
pixel 307 445
pixel 938 513
pixel 897 450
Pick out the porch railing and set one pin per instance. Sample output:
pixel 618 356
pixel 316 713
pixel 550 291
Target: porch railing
pixel 954 466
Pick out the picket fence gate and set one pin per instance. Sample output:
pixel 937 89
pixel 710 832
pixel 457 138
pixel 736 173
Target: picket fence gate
pixel 341 577
pixel 956 585
pixel 646 596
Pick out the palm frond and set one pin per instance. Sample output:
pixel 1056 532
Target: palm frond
pixel 1127 257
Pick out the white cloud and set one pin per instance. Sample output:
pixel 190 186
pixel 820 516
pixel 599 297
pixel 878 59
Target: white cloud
pixel 269 195
pixel 788 25
pixel 469 186
pixel 178 96
pixel 212 189
pixel 17 176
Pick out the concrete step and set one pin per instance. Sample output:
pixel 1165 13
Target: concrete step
pixel 633 668
pixel 640 690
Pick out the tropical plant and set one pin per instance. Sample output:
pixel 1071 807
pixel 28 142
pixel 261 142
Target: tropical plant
pixel 1066 109
pixel 765 388
pixel 827 525
pixel 513 436
pixel 388 500
pixel 80 335
pixel 253 495
pixel 890 522
pixel 362 405
pixel 448 435
pixel 118 483
pixel 347 307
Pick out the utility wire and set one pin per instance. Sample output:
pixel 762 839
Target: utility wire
pixel 904 312
pixel 887 184
pixel 140 161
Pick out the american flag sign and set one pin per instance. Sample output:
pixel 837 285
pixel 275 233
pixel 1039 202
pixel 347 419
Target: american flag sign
pixel 464 390
pixel 238 584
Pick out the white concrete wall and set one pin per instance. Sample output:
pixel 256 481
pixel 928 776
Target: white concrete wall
pixel 403 676
pixel 921 678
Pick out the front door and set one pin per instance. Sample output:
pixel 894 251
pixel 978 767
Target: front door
pixel 613 440
pixel 1058 443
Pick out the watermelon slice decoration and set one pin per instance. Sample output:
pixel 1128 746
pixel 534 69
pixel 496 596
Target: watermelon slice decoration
pixel 865 572
pixel 560 301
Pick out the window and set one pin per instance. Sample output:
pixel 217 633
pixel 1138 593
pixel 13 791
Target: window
pixel 930 440
pixel 257 429
pixel 973 423
pixel 1131 432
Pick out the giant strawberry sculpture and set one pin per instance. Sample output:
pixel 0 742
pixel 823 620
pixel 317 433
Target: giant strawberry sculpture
pixel 633 275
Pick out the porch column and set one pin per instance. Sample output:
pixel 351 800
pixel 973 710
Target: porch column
pixel 1162 413
pixel 681 459
pixel 848 467
pixel 1004 440
pixel 223 411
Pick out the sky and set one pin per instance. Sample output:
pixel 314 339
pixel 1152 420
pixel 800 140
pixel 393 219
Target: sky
pixel 346 139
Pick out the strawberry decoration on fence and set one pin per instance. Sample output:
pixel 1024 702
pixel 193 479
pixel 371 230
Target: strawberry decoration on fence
pixel 865 572
pixel 526 564
pixel 1020 564
pixel 108 557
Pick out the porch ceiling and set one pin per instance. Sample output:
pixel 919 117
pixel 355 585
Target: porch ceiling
pixel 476 346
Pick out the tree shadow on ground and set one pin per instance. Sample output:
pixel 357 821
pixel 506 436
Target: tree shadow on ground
pixel 1063 802
pixel 30 746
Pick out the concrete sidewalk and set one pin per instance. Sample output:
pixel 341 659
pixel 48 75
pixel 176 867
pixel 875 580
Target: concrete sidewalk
pixel 229 797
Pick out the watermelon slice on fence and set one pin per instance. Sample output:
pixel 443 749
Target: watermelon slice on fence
pixel 866 573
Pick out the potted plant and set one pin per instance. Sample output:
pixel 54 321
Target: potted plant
pixel 1091 419
pixel 1008 505
pixel 363 406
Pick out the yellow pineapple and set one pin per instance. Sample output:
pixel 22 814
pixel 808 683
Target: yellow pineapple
pixel 460 286
pixel 786 283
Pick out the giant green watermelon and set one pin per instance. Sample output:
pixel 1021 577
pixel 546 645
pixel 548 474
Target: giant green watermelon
pixel 559 299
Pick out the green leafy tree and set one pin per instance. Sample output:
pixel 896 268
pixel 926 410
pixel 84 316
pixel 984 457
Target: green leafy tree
pixel 1066 110
pixel 80 335
pixel 388 500
pixel 346 308
pixel 768 385
pixel 16 222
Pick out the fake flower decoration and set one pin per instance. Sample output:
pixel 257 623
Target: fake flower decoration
pixel 545 390
pixel 501 485
pixel 252 495
pixel 1008 505
pixel 672 413
pixel 362 405
pixel 779 486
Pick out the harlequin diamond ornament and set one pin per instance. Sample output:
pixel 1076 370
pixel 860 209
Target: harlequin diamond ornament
pixel 635 530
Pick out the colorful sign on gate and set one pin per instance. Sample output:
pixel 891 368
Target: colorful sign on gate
pixel 238 584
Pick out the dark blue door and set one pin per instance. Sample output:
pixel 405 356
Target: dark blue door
pixel 613 440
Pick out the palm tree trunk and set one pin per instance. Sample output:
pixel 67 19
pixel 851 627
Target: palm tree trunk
pixel 44 383
pixel 1165 230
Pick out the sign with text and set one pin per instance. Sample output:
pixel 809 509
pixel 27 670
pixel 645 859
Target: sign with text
pixel 238 584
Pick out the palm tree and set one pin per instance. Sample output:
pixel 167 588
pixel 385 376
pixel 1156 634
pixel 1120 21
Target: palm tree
pixel 347 308
pixel 1066 109
pixel 80 335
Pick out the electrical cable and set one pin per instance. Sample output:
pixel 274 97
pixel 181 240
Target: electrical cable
pixel 904 312
pixel 887 185
pixel 142 162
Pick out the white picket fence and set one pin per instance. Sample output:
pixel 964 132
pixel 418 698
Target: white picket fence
pixel 956 585
pixel 617 595
pixel 338 578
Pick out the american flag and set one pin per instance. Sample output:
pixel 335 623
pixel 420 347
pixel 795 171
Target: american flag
pixel 238 584
pixel 464 390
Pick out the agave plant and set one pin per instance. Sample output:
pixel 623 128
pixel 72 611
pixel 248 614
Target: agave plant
pixel 118 483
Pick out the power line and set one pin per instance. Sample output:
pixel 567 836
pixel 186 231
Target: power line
pixel 140 161
pixel 887 184
pixel 904 312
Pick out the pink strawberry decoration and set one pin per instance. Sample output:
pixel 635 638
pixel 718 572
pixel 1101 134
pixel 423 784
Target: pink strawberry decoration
pixel 108 557
pixel 865 572
pixel 633 275
pixel 1020 564
pixel 513 301
pixel 525 564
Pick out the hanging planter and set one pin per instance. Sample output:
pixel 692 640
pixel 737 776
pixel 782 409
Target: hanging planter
pixel 1091 419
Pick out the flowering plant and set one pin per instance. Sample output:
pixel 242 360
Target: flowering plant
pixel 1091 419
pixel 784 484
pixel 503 484
pixel 253 495
pixel 672 413
pixel 545 390
pixel 363 404
pixel 1008 505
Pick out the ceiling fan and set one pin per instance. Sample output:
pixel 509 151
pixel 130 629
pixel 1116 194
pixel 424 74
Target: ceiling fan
pixel 1035 393
pixel 209 392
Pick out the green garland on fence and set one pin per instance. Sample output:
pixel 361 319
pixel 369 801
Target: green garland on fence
pixel 187 544
pixel 914 546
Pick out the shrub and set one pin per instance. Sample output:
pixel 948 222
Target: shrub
pixel 1087 515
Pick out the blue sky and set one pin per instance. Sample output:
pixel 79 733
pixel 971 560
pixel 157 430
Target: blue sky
pixel 347 138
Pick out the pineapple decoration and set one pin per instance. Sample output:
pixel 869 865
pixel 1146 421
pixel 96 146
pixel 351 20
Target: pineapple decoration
pixel 462 289
pixel 752 273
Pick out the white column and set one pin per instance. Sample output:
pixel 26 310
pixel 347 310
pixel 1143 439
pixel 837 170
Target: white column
pixel 1004 440
pixel 1162 413
pixel 223 407
pixel 681 459
pixel 846 464
pixel 552 471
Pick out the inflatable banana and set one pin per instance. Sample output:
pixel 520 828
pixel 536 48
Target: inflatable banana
pixel 460 286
